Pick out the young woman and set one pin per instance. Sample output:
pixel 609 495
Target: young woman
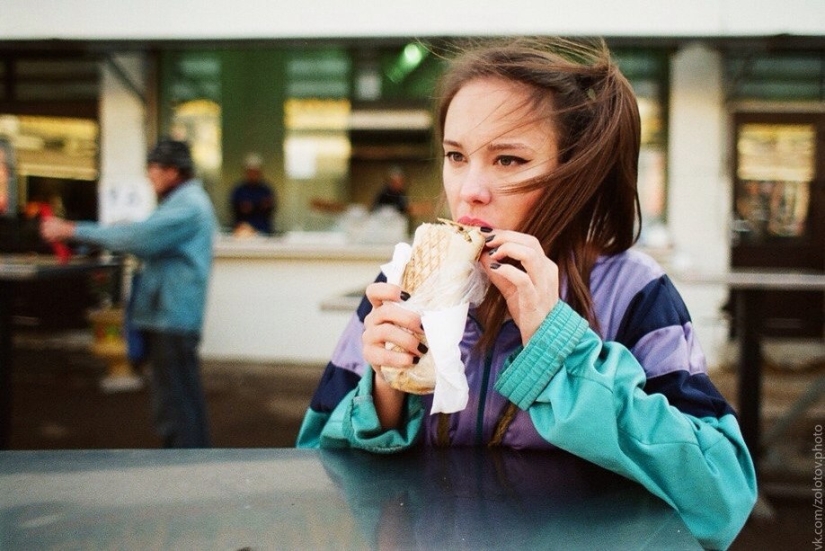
pixel 581 343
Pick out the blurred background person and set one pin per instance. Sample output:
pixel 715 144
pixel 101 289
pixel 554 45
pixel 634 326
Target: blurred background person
pixel 175 246
pixel 394 192
pixel 253 199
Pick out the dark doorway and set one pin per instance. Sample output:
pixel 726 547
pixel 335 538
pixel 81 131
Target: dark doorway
pixel 74 199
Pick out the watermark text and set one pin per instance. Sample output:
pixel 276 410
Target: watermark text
pixel 817 489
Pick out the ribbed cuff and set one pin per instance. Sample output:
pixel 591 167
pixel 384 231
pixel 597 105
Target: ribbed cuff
pixel 362 428
pixel 531 370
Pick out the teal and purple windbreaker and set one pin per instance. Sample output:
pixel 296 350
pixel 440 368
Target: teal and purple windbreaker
pixel 636 399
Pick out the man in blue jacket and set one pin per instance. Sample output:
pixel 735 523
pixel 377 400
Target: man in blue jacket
pixel 175 246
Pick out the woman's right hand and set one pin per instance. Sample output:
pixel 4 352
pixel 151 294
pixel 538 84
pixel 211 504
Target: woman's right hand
pixel 388 322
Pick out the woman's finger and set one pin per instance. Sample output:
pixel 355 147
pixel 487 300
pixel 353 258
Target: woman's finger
pixel 526 278
pixel 392 334
pixel 379 292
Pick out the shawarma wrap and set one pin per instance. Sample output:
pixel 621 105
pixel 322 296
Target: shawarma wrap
pixel 442 272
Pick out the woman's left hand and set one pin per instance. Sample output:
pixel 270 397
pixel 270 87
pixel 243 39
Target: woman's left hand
pixel 528 280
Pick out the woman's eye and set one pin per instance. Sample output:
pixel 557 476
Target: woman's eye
pixel 454 156
pixel 510 160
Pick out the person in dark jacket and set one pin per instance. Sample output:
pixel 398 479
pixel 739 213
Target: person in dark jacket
pixel 394 192
pixel 253 200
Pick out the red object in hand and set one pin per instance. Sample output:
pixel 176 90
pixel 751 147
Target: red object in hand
pixel 61 250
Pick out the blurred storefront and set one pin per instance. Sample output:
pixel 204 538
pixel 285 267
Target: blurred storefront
pixel 49 133
pixel 331 111
pixel 777 146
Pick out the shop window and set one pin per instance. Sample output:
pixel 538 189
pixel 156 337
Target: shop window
pixel 316 147
pixel 198 122
pixel 318 73
pixel 192 76
pixel 191 108
pixel 777 215
pixel 49 137
pixel 58 149
pixel 773 180
pixel 379 87
pixel 779 76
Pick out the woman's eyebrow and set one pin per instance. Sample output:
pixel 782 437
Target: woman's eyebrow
pixel 494 146
pixel 500 146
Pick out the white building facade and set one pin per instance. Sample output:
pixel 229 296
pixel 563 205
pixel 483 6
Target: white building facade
pixel 699 110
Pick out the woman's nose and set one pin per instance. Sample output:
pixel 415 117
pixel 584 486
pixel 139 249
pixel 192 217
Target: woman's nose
pixel 475 188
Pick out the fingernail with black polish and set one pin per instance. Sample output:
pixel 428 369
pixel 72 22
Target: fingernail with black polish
pixel 489 238
pixel 491 252
pixel 495 266
pixel 422 348
pixel 485 229
pixel 405 295
pixel 416 359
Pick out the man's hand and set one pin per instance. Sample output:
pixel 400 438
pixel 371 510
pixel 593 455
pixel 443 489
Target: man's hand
pixel 56 229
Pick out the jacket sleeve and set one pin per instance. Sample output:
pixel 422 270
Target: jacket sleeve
pixel 164 229
pixel 351 421
pixel 341 412
pixel 586 396
pixel 354 423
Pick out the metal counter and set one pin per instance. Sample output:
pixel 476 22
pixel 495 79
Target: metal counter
pixel 264 499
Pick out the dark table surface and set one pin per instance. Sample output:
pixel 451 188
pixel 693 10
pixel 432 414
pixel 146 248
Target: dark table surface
pixel 232 499
pixel 750 284
pixel 27 266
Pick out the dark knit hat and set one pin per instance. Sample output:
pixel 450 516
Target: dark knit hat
pixel 169 152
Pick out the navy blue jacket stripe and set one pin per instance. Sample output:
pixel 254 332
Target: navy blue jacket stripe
pixel 691 394
pixel 335 383
pixel 656 306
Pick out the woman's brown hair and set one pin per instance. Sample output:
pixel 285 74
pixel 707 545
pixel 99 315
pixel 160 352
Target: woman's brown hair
pixel 590 204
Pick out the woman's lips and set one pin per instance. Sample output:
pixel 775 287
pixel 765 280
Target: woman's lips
pixel 468 221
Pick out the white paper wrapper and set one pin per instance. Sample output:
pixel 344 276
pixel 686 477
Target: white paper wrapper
pixel 443 329
pixel 394 269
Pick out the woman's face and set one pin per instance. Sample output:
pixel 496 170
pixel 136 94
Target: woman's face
pixel 493 138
